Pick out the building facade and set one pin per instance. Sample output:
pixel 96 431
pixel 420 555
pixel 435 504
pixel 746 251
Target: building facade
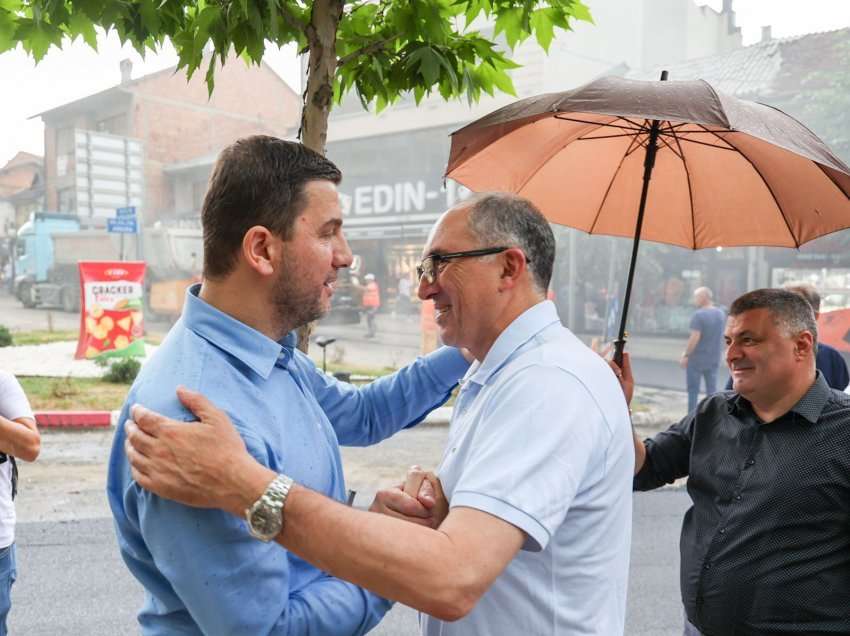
pixel 163 121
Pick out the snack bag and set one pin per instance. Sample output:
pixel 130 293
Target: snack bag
pixel 111 320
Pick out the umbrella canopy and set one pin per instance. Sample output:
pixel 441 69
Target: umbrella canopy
pixel 727 172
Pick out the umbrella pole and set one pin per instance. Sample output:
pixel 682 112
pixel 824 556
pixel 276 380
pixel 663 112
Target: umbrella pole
pixel 648 163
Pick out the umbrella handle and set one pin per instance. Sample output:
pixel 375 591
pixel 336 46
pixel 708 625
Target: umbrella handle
pixel 619 346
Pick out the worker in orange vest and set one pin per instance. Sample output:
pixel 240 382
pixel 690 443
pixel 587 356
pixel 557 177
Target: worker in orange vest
pixel 371 303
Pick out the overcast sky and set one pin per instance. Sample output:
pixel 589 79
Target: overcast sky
pixel 77 71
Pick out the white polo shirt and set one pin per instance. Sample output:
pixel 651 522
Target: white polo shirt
pixel 541 438
pixel 13 405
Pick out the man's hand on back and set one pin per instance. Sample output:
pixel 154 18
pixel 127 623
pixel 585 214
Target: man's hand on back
pixel 203 464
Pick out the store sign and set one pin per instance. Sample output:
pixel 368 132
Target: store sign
pixel 405 197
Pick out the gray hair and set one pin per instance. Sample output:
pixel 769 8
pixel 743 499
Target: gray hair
pixel 499 218
pixel 791 311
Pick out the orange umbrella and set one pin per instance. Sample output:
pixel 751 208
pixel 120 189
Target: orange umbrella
pixel 724 172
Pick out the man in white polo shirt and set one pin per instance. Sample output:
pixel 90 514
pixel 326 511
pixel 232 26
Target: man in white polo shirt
pixel 533 534
pixel 19 438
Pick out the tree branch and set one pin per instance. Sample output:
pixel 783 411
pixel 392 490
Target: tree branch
pixel 374 47
pixel 290 19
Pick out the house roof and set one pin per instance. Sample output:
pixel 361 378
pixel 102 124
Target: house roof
pixel 121 91
pixel 762 69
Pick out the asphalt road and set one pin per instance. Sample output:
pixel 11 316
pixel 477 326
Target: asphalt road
pixel 72 581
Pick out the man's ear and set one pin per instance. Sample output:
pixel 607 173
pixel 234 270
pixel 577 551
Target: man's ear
pixel 514 264
pixel 261 250
pixel 804 344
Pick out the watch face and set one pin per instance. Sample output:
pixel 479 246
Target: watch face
pixel 265 522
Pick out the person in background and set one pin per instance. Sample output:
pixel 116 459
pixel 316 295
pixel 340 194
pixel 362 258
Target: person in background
pixel 701 357
pixel 828 360
pixel 371 301
pixel 19 438
pixel 765 547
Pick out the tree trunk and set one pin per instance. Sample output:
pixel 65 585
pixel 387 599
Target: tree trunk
pixel 318 95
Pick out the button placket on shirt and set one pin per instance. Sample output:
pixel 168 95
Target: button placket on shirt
pixel 737 495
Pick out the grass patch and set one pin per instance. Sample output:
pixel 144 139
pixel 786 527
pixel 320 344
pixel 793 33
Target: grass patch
pixel 73 394
pixel 42 337
pixel 46 337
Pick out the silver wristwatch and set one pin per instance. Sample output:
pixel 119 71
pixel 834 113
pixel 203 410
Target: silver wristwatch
pixel 265 517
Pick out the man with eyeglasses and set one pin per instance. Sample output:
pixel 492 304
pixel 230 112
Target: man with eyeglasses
pixel 527 529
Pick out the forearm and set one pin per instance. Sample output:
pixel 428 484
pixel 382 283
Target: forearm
pixel 395 559
pixel 640 452
pixel 20 438
pixel 693 340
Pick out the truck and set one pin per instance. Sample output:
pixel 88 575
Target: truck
pixel 49 246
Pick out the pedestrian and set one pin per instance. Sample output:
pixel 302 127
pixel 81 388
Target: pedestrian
pixel 764 548
pixel 533 502
pixel 701 357
pixel 404 299
pixel 273 248
pixel 827 360
pixel 19 439
pixel 371 301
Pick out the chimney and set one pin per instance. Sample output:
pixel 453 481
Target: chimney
pixel 126 70
pixel 766 35
pixel 727 6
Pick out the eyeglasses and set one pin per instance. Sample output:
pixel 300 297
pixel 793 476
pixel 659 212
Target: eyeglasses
pixel 432 265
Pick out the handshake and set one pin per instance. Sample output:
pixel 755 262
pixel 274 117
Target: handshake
pixel 420 499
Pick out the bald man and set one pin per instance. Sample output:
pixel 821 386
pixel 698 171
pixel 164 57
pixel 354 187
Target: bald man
pixel 701 358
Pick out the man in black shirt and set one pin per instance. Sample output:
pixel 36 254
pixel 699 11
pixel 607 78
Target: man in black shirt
pixel 765 548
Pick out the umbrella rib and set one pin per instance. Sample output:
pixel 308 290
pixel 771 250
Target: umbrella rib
pixel 690 189
pixel 703 143
pixel 769 189
pixel 607 136
pixel 596 123
pixel 607 192
pixel 830 177
pixel 669 147
pixel 545 159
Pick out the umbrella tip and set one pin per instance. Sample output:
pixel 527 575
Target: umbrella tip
pixel 663 76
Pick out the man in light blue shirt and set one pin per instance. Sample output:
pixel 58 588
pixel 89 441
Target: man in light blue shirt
pixel 202 571
pixel 532 535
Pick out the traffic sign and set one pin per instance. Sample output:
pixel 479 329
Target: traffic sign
pixel 129 211
pixel 122 225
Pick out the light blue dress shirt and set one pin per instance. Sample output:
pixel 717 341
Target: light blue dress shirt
pixel 540 438
pixel 202 571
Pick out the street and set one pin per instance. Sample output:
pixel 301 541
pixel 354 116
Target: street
pixel 71 579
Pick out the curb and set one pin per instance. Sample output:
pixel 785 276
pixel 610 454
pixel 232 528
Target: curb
pixel 75 419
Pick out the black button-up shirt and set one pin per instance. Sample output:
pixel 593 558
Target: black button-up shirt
pixel 765 548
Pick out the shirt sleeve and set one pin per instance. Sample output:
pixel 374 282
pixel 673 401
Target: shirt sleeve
pixel 232 583
pixel 367 415
pixel 668 456
pixel 696 322
pixel 13 401
pixel 536 440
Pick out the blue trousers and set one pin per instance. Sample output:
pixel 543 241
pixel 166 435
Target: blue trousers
pixel 693 377
pixel 8 574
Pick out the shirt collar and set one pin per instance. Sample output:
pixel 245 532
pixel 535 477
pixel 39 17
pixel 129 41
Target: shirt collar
pixel 809 407
pixel 524 327
pixel 257 351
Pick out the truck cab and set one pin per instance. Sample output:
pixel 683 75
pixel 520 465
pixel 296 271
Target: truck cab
pixel 34 251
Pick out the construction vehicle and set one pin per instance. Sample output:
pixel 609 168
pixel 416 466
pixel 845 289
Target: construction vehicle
pixel 49 246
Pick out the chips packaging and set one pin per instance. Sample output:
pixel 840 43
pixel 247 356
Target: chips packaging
pixel 111 321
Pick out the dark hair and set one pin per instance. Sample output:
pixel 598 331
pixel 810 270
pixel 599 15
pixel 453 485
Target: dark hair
pixel 808 292
pixel 506 219
pixel 790 310
pixel 257 180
